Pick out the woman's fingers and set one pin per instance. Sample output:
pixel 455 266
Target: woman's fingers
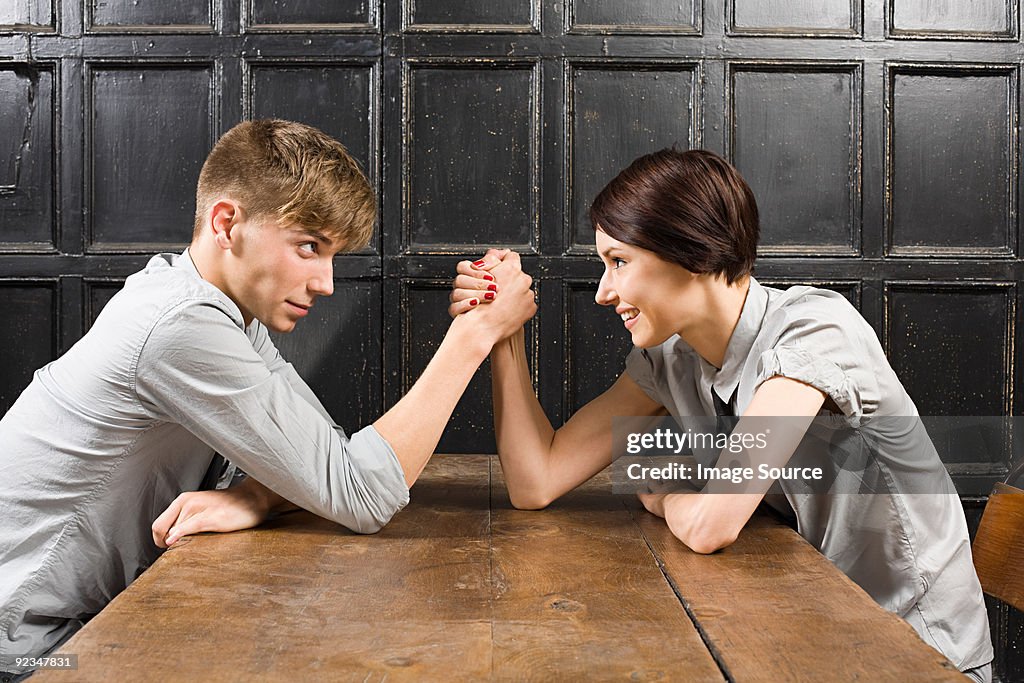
pixel 458 307
pixel 475 283
pixel 458 295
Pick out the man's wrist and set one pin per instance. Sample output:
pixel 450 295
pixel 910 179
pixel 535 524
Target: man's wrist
pixel 476 340
pixel 256 494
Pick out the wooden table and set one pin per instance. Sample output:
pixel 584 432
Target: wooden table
pixel 460 586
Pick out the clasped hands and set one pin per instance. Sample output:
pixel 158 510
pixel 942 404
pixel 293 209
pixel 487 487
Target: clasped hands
pixel 496 290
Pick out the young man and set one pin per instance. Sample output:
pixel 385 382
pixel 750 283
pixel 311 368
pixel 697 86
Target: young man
pixel 179 365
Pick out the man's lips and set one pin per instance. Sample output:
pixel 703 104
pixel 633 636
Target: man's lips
pixel 301 309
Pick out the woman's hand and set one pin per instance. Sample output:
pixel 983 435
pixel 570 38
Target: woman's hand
pixel 239 507
pixel 474 284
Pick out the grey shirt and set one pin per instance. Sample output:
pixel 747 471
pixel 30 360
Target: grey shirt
pixel 106 436
pixel 909 551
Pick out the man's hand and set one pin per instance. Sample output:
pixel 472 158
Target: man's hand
pixel 239 507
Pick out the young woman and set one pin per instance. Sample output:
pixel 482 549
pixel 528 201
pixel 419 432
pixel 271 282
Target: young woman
pixel 677 233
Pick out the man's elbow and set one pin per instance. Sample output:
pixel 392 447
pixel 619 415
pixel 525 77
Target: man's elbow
pixel 366 527
pixel 369 519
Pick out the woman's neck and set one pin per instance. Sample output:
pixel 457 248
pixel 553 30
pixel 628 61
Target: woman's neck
pixel 723 304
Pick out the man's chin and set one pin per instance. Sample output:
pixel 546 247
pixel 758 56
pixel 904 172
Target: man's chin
pixel 280 326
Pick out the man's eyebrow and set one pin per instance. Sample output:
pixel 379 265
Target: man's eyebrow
pixel 315 234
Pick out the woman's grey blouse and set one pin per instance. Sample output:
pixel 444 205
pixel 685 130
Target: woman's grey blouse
pixel 905 542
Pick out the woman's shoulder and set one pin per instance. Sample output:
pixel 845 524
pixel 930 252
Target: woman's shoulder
pixel 811 312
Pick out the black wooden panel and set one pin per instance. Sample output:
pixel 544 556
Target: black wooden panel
pixel 97 293
pixel 613 16
pixel 29 335
pixel 27 167
pixel 339 99
pixel 977 18
pixel 151 129
pixel 851 290
pixel 795 128
pixel 466 14
pixel 831 17
pixel 425 320
pixel 951 345
pixel 596 345
pixel 619 112
pixel 113 14
pixel 27 13
pixel 348 13
pixel 337 350
pixel 471 156
pixel 952 146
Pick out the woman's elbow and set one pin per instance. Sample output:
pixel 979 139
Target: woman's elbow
pixel 529 500
pixel 710 541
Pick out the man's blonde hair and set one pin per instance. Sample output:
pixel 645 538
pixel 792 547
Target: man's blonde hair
pixel 292 173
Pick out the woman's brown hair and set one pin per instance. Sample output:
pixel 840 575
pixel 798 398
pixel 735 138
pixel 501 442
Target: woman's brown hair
pixel 690 208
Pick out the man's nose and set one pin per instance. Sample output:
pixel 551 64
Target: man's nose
pixel 323 283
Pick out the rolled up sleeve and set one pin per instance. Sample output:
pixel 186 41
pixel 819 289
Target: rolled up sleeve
pixel 825 347
pixel 200 370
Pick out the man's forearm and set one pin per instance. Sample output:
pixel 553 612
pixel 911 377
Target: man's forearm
pixel 415 424
pixel 264 497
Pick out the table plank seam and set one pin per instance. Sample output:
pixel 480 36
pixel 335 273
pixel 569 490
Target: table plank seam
pixel 705 638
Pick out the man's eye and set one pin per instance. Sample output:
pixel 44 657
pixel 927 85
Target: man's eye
pixel 309 247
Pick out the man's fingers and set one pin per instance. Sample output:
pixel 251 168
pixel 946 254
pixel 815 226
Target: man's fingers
pixel 195 524
pixel 167 518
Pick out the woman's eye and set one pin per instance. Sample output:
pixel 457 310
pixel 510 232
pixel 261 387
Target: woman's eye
pixel 618 263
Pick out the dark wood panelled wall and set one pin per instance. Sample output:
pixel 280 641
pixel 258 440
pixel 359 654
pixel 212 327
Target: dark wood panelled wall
pixel 880 137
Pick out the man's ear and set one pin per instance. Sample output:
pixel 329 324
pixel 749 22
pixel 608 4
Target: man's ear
pixel 224 216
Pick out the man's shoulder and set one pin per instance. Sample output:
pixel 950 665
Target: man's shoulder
pixel 164 291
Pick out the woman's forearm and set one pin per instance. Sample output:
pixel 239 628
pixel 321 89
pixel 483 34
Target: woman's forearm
pixel 523 432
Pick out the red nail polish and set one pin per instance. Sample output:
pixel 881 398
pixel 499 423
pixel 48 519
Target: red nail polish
pixel 473 302
pixel 489 296
pixel 488 277
pixel 492 288
pixel 479 263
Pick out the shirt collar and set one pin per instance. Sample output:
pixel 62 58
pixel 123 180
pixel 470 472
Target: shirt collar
pixel 724 381
pixel 184 262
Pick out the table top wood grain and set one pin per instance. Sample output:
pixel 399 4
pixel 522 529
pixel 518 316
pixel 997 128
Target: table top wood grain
pixel 461 586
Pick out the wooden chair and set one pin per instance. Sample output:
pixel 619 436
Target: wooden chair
pixel 999 545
